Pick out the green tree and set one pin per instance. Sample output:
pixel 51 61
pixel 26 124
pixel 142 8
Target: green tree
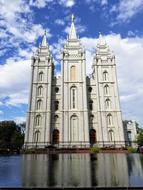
pixel 11 137
pixel 140 139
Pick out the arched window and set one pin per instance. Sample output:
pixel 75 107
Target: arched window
pixel 107 103
pixel 38 120
pixel 91 105
pixel 106 89
pixel 109 119
pixel 111 135
pixel 105 76
pixel 73 73
pixel 56 105
pixel 37 136
pixel 56 89
pixel 91 118
pixel 41 76
pixel 40 91
pixel 90 89
pixel 56 117
pixel 73 97
pixel 39 104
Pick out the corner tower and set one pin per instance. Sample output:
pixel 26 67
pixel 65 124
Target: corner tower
pixel 75 130
pixel 38 127
pixel 109 117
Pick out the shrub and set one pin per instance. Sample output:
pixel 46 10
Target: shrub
pixel 95 149
pixel 132 150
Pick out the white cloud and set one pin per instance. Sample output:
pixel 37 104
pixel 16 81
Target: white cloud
pixel 15 82
pixel 39 3
pixel 20 119
pixel 17 20
pixel 59 22
pixel 67 3
pixel 129 56
pixel 126 9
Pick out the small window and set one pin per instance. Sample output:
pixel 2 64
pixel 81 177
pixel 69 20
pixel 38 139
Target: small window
pixel 91 117
pixel 56 105
pixel 106 89
pixel 38 120
pixel 39 104
pixel 91 105
pixel 41 76
pixel 108 103
pixel 90 89
pixel 109 119
pixel 56 89
pixel 40 91
pixel 105 75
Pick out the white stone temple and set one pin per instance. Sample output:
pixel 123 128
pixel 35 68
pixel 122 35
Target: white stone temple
pixel 74 110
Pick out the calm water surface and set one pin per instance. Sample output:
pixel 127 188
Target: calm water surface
pixel 71 170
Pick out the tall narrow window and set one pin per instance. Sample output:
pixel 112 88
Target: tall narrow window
pixel 74 129
pixel 73 97
pixel 105 76
pixel 106 89
pixel 73 73
pixel 111 135
pixel 129 135
pixel 107 103
pixel 109 119
pixel 39 104
pixel 91 105
pixel 56 105
pixel 40 91
pixel 37 136
pixel 38 120
pixel 41 76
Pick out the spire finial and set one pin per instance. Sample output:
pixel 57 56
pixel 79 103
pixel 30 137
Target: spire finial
pixel 72 34
pixel 44 40
pixel 72 17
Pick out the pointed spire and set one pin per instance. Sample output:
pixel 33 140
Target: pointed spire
pixel 44 40
pixel 101 40
pixel 72 34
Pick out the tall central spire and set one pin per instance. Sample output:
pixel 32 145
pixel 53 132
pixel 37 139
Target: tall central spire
pixel 72 34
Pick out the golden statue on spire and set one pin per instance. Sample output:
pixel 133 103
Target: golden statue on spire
pixel 72 17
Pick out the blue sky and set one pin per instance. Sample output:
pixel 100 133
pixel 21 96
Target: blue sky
pixel 22 23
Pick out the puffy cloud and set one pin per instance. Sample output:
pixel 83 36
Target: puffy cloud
pixel 17 25
pixel 60 22
pixel 39 3
pixel 15 82
pixel 126 9
pixel 67 3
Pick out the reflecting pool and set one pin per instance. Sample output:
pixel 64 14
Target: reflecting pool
pixel 71 170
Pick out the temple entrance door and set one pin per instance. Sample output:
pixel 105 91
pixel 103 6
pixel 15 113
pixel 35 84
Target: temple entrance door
pixel 56 136
pixel 93 139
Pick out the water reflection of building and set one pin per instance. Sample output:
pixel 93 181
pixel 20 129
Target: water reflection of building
pixel 111 170
pixel 82 170
pixel 57 170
